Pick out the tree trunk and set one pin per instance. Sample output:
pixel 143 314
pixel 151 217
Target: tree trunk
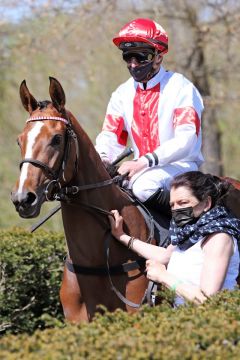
pixel 210 131
pixel 211 142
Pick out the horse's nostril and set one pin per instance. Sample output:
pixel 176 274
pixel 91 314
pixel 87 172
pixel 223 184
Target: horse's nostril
pixel 30 198
pixel 24 199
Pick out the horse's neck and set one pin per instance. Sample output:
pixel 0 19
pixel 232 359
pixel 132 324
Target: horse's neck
pixel 92 171
pixel 87 228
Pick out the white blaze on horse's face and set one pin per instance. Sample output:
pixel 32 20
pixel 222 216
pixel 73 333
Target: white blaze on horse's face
pixel 31 138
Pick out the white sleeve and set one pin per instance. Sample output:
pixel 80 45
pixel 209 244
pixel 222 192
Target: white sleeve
pixel 186 120
pixel 113 138
pixel 179 147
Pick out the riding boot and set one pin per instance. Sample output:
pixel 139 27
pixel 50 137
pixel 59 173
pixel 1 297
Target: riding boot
pixel 159 201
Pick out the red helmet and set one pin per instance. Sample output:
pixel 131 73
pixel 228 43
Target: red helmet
pixel 140 31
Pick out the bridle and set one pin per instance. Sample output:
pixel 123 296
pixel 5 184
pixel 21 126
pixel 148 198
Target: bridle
pixel 55 175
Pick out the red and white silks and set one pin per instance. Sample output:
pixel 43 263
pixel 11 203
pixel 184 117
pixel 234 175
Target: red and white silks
pixel 162 121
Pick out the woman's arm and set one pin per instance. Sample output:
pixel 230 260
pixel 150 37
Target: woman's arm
pixel 218 249
pixel 217 252
pixel 147 251
pixel 158 273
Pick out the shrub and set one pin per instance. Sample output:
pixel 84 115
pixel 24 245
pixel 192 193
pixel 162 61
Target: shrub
pixel 31 270
pixel 210 331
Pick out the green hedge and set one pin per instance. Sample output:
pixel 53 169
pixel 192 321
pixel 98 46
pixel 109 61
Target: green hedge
pixel 210 331
pixel 31 271
pixel 30 275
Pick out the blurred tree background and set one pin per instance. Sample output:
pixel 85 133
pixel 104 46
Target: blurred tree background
pixel 72 41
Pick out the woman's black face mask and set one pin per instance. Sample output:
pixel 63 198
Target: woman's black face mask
pixel 184 216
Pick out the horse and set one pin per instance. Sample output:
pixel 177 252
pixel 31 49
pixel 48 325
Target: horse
pixel 59 162
pixel 58 157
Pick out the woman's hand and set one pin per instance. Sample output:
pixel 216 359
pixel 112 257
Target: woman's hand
pixel 116 224
pixel 155 270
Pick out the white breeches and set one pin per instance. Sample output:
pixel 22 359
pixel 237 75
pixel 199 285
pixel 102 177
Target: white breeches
pixel 147 182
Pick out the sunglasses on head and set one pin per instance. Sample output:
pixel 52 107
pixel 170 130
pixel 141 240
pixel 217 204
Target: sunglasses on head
pixel 141 56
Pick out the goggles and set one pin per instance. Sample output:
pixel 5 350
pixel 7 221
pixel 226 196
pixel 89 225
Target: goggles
pixel 140 56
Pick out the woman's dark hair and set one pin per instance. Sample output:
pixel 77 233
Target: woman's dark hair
pixel 203 185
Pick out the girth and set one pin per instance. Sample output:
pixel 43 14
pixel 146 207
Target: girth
pixel 103 270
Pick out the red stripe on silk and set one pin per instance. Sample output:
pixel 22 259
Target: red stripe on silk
pixel 115 124
pixel 145 119
pixel 186 115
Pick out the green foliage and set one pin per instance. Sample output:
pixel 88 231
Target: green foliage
pixel 210 331
pixel 76 48
pixel 31 271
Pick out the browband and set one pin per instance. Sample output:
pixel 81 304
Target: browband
pixel 56 118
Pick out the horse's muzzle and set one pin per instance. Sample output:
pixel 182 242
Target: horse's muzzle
pixel 27 204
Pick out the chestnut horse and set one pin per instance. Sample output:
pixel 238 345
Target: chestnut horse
pixel 60 162
pixel 58 155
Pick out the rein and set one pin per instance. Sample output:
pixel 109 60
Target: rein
pixel 112 270
pixel 74 190
pixel 63 195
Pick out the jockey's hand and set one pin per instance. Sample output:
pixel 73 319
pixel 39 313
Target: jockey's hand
pixel 133 166
pixel 155 270
pixel 116 224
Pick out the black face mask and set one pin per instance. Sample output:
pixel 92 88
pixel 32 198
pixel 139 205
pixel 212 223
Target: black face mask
pixel 141 72
pixel 184 216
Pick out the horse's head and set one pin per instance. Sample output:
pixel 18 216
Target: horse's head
pixel 46 149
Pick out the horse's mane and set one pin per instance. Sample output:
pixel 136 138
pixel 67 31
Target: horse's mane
pixel 112 170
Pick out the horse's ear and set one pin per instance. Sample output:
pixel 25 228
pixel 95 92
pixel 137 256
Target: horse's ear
pixel 57 94
pixel 28 101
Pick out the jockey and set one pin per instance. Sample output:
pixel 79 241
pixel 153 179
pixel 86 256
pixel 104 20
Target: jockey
pixel 158 110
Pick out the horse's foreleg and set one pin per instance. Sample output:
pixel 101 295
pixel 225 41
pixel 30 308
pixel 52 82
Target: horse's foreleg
pixel 73 306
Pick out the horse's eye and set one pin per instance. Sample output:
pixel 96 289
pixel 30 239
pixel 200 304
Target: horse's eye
pixel 18 142
pixel 56 140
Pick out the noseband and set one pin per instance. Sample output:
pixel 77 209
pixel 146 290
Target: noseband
pixel 53 175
